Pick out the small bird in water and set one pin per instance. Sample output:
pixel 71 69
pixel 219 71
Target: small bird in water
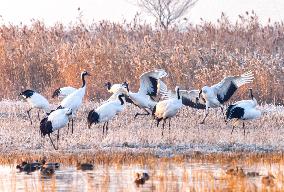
pixel 238 171
pixel 230 171
pixel 28 167
pixel 253 174
pixel 84 166
pixel 50 164
pixel 141 178
pixel 268 180
pixel 47 171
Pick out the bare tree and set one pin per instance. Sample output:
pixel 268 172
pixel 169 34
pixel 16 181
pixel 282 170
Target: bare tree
pixel 166 12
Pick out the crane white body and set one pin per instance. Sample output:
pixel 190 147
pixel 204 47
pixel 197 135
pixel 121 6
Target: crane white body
pixel 142 100
pixel 59 118
pixel 243 110
pixel 168 108
pixel 36 101
pixel 74 100
pixel 108 110
pixel 105 112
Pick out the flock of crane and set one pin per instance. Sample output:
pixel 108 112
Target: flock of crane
pixel 153 97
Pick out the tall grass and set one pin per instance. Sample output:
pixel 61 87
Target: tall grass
pixel 45 58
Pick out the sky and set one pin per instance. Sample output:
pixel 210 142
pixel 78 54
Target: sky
pixel 65 11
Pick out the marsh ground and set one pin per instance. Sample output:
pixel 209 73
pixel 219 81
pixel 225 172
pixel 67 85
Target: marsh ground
pixel 191 157
pixel 141 134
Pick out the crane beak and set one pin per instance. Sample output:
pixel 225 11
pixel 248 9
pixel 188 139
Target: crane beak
pixel 108 84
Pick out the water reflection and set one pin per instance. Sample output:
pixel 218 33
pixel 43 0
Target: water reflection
pixel 164 176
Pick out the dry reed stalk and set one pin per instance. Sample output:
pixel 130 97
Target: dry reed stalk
pixel 45 58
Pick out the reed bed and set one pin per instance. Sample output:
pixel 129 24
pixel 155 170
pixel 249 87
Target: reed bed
pixel 44 58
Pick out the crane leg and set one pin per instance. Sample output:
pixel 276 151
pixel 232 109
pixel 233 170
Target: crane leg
pixel 57 134
pixel 235 123
pixel 244 128
pixel 222 110
pixel 169 125
pixel 28 112
pixel 158 121
pixel 68 127
pixel 206 114
pixel 147 113
pixel 57 138
pixel 72 125
pixel 38 115
pixel 163 127
pixel 232 129
pixel 106 127
pixel 152 121
pixel 52 142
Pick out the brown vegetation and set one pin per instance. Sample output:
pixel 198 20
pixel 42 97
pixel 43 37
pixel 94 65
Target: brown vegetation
pixel 45 58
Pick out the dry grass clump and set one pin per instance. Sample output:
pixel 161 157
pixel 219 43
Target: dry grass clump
pixel 45 58
pixel 143 158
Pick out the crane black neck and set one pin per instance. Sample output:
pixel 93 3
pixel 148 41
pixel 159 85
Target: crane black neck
pixel 178 95
pixel 126 85
pixel 83 80
pixel 251 95
pixel 200 92
pixel 121 100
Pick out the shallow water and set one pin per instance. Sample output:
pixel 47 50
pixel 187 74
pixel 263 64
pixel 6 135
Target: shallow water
pixel 164 176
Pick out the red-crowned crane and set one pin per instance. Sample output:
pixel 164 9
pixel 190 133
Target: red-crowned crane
pixel 242 111
pixel 55 121
pixel 105 112
pixel 150 86
pixel 216 95
pixel 36 101
pixel 75 99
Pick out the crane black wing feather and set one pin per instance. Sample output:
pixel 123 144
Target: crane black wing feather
pixel 190 99
pixel 188 102
pixel 154 86
pixel 228 94
pixel 27 93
